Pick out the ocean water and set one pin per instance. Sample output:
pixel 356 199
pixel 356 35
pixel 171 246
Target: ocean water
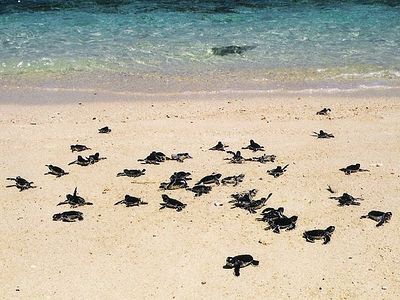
pixel 293 40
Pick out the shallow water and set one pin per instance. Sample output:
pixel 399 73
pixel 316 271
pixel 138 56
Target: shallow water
pixel 294 40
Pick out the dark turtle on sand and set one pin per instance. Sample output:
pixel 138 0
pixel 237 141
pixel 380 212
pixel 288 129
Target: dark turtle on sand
pixel 68 216
pixel 282 223
pixel 270 214
pixel 21 183
pixel 181 175
pixel 80 161
pixel 323 135
pixel 240 261
pixel 210 179
pixel 171 203
pixel 219 147
pixel 234 180
pixel 200 189
pixel 264 158
pixel 94 158
pixel 225 50
pixel 253 205
pixel 378 216
pixel 254 146
pixel 79 148
pixel 319 234
pixel 180 157
pixel 74 200
pixel 105 130
pixel 174 184
pixel 353 169
pixel 132 173
pixel 245 196
pixel 278 171
pixel 237 157
pixel 347 200
pixel 324 111
pixel 131 201
pixel 154 158
pixel 54 170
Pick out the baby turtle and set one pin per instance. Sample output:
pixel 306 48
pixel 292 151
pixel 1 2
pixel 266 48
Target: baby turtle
pixel 378 216
pixel 210 179
pixel 323 112
pixel 237 157
pixel 319 234
pixel 21 183
pixel 75 200
pixel 240 261
pixel 180 157
pixel 323 135
pixel 181 175
pixel 245 196
pixel 68 216
pixel 171 203
pixel 264 158
pixel 270 214
pixel 254 146
pixel 282 223
pixel 200 189
pixel 174 184
pixel 79 148
pixel 347 200
pixel 94 158
pixel 80 161
pixel 105 130
pixel 219 147
pixel 235 180
pixel 253 205
pixel 278 171
pixel 131 201
pixel 154 158
pixel 132 173
pixel 353 169
pixel 54 170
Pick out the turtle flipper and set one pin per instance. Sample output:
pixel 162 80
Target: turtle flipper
pixel 381 222
pixel 237 269
pixel 327 239
pixel 119 202
pixel 11 185
pixel 255 262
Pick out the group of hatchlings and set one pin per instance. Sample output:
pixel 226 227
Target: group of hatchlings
pixel 275 218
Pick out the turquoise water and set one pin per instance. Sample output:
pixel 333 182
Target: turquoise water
pixel 332 39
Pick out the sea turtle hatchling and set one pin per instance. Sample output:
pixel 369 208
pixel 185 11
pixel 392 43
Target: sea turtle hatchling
pixel 240 261
pixel 174 184
pixel 253 205
pixel 94 158
pixel 210 179
pixel 21 183
pixel 347 200
pixel 68 216
pixel 378 216
pixel 245 196
pixel 234 180
pixel 155 158
pixel 79 148
pixel 200 189
pixel 264 158
pixel 80 161
pixel 105 130
pixel 132 173
pixel 323 112
pixel 278 171
pixel 319 234
pixel 171 203
pixel 282 223
pixel 237 157
pixel 180 157
pixel 219 147
pixel 54 170
pixel 130 201
pixel 181 175
pixel 74 200
pixel 323 135
pixel 270 214
pixel 254 146
pixel 353 169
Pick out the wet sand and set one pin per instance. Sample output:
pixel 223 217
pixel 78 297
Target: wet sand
pixel 142 252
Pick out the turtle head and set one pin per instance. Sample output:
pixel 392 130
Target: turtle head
pixel 230 263
pixel 165 197
pixel 280 209
pixel 251 141
pixel 56 217
pixel 357 165
pixel 387 215
pixel 330 229
pixel 143 170
pixel 294 219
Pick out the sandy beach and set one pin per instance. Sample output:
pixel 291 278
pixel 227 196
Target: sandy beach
pixel 143 252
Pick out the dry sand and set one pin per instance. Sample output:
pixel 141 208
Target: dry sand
pixel 143 253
